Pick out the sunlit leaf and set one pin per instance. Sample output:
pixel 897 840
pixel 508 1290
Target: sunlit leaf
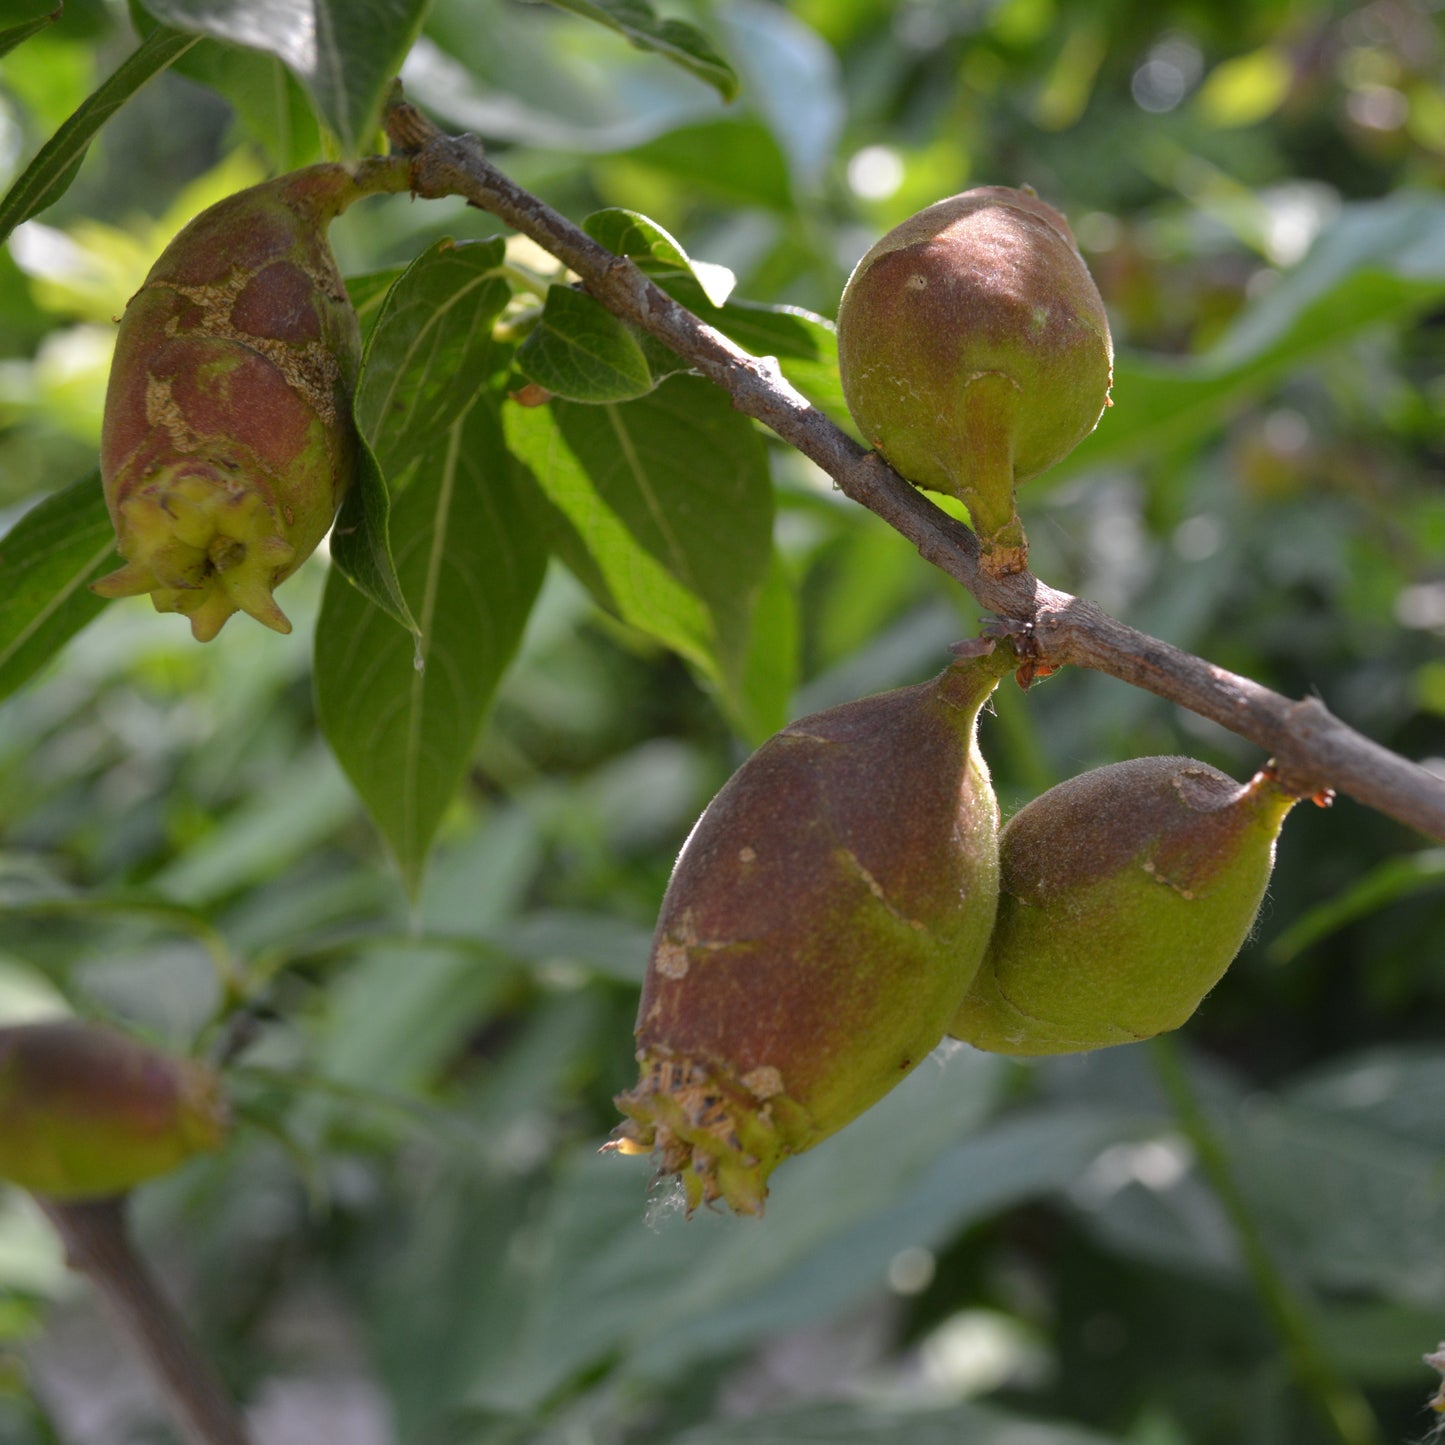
pixel 667 513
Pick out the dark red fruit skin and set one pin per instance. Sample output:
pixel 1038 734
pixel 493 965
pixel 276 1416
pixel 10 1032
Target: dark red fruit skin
pixel 822 923
pixel 256 269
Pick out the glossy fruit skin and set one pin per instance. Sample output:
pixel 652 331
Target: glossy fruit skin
pixel 821 925
pixel 975 353
pixel 86 1112
pixel 227 442
pixel 1124 895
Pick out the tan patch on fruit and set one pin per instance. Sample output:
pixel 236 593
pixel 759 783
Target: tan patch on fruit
pixel 163 411
pixel 671 959
pixel 764 1082
pixel 747 855
pixel 311 369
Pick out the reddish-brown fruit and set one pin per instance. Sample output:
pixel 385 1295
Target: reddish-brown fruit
pixel 975 353
pixel 821 925
pixel 87 1112
pixel 227 442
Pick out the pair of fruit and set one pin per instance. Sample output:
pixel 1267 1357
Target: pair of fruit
pixel 847 900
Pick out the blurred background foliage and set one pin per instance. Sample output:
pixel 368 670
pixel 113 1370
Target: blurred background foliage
pixel 411 1238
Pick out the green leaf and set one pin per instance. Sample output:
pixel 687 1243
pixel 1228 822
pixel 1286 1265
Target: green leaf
pixel 580 351
pixel 368 294
pixel 630 233
pixel 46 178
pixel 1383 885
pixel 681 43
pixel 361 549
pixel 46 560
pixel 735 158
pixel 402 714
pixel 770 671
pixel 345 52
pixel 425 357
pixel 272 108
pixel 38 14
pixel 804 343
pixel 429 351
pixel 665 514
pixel 866 1424
pixel 281 822
pixel 655 251
pixel 1377 262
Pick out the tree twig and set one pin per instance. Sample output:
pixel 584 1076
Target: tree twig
pixel 97 1245
pixel 1313 749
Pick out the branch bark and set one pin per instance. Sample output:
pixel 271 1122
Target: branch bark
pixel 1313 750
pixel 97 1245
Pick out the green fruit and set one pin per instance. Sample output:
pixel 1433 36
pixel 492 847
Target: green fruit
pixel 227 442
pixel 86 1112
pixel 975 353
pixel 821 925
pixel 1124 895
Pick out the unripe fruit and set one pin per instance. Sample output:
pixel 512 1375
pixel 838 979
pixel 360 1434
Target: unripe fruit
pixel 87 1112
pixel 227 441
pixel 1124 894
pixel 975 353
pixel 821 925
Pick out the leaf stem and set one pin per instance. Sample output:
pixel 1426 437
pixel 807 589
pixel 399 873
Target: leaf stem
pixel 1342 1406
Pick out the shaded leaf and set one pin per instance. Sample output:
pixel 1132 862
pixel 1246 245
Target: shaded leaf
pixel 345 52
pixel 864 1424
pixel 426 354
pixel 361 549
pixel 429 350
pixel 46 560
pixel 792 78
pixel 734 158
pixel 681 43
pixel 580 351
pixel 402 714
pixel 273 109
pixel 1387 883
pixel 31 18
pixel 628 1276
pixel 1377 262
pixel 46 178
